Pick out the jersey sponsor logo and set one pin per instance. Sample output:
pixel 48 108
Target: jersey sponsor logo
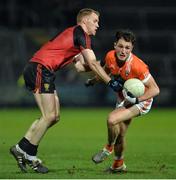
pixel 127 73
pixel 46 86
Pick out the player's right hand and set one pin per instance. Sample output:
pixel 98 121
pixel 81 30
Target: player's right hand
pixel 129 97
pixel 115 85
pixel 89 82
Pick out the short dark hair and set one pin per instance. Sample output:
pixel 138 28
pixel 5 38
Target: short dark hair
pixel 127 35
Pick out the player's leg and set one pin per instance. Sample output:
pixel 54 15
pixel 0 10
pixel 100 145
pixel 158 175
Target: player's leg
pixel 37 76
pixel 119 147
pixel 48 104
pixel 34 124
pixel 113 132
pixel 57 103
pixel 109 147
pixel 39 102
pixel 113 124
pixel 119 115
pixel 107 150
pixel 29 144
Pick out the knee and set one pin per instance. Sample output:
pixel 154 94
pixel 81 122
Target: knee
pixel 53 119
pixel 112 120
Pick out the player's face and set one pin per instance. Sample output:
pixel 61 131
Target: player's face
pixel 91 23
pixel 123 49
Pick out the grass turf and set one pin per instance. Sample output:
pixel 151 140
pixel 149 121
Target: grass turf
pixel 67 147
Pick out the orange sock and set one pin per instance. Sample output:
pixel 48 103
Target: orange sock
pixel 117 163
pixel 109 147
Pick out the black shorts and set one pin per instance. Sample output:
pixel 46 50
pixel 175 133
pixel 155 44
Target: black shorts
pixel 38 78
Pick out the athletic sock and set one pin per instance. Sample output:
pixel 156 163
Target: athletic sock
pixel 118 157
pixel 27 156
pixel 117 163
pixel 27 147
pixel 109 147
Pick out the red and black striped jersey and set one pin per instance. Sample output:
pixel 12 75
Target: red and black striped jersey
pixel 59 51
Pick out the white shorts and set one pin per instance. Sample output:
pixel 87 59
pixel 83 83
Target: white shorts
pixel 144 106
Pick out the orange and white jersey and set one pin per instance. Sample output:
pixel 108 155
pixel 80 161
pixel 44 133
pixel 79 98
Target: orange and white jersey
pixel 134 67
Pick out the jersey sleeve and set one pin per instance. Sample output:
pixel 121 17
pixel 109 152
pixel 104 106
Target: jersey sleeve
pixel 81 39
pixel 142 71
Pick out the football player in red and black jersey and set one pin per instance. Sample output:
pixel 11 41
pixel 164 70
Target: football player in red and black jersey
pixel 39 76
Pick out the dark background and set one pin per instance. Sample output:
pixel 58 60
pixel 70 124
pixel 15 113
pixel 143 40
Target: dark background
pixel 26 25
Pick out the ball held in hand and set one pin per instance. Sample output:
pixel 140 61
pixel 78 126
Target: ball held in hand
pixel 134 86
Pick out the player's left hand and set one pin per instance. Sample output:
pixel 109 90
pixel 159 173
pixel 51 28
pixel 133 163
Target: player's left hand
pixel 129 97
pixel 115 85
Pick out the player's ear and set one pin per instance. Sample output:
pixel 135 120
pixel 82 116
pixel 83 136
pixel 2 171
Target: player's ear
pixel 115 44
pixel 85 19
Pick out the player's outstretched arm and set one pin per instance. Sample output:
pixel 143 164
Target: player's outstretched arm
pixel 95 66
pixel 96 79
pixel 80 64
pixel 90 59
pixel 92 81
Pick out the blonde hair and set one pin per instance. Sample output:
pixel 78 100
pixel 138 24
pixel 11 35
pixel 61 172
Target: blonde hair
pixel 85 12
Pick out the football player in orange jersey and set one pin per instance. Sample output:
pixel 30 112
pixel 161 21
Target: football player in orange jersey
pixel 122 64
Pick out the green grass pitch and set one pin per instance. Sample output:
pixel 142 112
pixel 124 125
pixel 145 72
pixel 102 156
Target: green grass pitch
pixel 67 147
